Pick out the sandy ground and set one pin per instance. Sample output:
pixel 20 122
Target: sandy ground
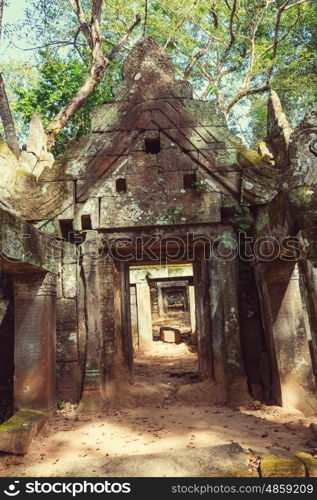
pixel 72 439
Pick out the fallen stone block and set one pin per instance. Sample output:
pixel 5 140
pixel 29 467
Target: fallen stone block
pixel 226 460
pixel 17 433
pixel 278 463
pixel 171 335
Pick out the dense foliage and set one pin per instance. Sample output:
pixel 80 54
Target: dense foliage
pixel 57 82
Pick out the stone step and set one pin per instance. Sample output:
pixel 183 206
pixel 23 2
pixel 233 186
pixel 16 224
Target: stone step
pixel 227 460
pixel 17 433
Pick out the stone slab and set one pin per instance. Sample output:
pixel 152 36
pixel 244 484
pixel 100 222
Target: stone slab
pixel 277 463
pixel 170 335
pixel 228 460
pixel 17 433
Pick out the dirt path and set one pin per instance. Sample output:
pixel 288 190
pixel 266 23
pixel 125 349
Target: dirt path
pixel 77 442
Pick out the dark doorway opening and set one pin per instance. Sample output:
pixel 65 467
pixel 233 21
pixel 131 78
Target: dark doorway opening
pixel 163 324
pixel 6 347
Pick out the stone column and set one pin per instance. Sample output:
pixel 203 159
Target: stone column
pixel 144 315
pixel 164 301
pixel 293 381
pixel 126 327
pixel 116 352
pixel 91 387
pixel 203 326
pixel 229 369
pixel 134 317
pixel 310 279
pixel 160 304
pixel 35 337
pixel 192 312
pixel 93 253
pixel 185 298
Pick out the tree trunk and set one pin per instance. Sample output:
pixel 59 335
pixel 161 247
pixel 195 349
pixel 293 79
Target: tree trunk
pixel 61 119
pixel 7 120
pixel 99 65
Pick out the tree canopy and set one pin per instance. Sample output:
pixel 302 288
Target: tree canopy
pixel 232 51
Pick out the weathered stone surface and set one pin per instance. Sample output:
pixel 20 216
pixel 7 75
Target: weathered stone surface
pixel 45 161
pixel 27 161
pixel 90 208
pixel 228 460
pixel 69 271
pixel 17 433
pixel 144 315
pixel 170 335
pixel 36 137
pixel 66 316
pixel 303 152
pixel 293 380
pixel 59 198
pixel 201 207
pixel 68 381
pixel 35 337
pixel 21 243
pixel 281 464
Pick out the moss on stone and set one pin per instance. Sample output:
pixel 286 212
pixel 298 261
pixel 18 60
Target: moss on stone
pixel 309 461
pixel 104 117
pixel 282 465
pixel 22 420
pixel 250 158
pixel 6 151
pixel 303 197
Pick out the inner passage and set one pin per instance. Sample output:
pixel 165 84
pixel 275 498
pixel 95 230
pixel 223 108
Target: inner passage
pixel 164 324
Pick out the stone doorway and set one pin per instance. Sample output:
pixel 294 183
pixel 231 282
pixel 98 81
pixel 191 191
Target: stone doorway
pixel 115 332
pixel 162 297
pixel 163 325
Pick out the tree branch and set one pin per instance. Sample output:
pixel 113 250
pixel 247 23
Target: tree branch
pixel 214 16
pixel 201 53
pixel 286 6
pixel 48 44
pixel 77 7
pixel 245 93
pixel 99 65
pixel 296 3
pixel 145 16
pixel 232 35
pixel 280 40
pixel 170 38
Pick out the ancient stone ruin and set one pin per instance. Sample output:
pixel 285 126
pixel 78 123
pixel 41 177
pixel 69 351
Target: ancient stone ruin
pixel 160 178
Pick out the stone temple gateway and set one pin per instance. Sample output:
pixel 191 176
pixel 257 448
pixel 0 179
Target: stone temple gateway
pixel 159 179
